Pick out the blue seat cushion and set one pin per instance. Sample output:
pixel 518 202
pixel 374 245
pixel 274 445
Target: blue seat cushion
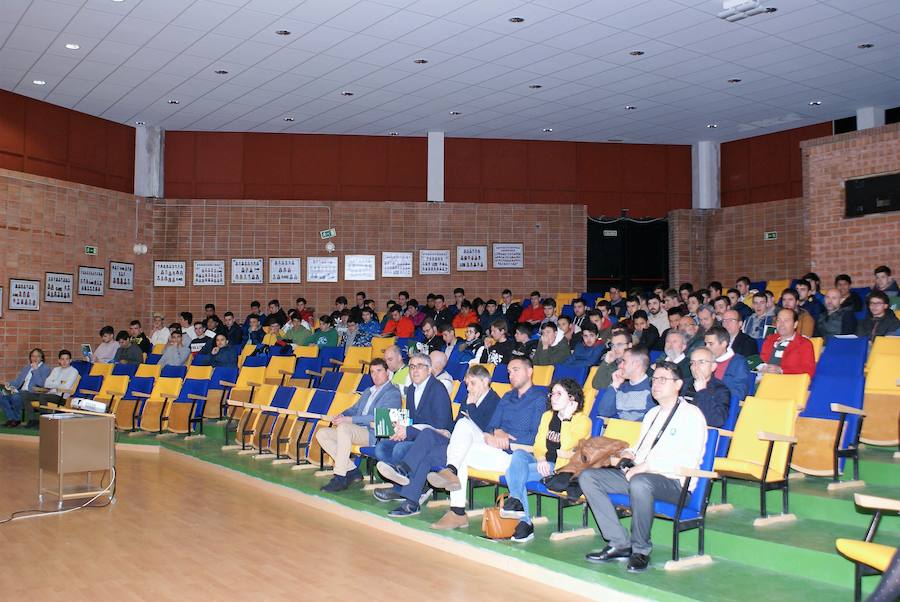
pixel 661 509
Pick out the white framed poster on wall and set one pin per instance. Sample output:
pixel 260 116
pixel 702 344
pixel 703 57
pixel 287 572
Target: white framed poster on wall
pixel 24 294
pixel 321 269
pixel 121 276
pixel 359 267
pixel 396 265
pixel 58 287
pixel 91 280
pixel 471 259
pixel 284 269
pixel 168 273
pixel 434 261
pixel 246 270
pixel 508 255
pixel 209 272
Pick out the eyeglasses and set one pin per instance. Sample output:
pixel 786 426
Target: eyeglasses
pixel 701 362
pixel 417 366
pixel 662 379
pixel 729 319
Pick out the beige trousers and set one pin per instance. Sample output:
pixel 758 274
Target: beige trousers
pixel 338 441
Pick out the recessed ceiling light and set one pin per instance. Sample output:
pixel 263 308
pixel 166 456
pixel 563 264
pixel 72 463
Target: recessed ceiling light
pixel 815 103
pixel 393 133
pixel 630 107
pixel 288 118
pixel 140 123
pixel 421 61
pixel 71 46
pixel 39 82
pixel 346 93
pixel 734 80
pixel 220 72
pixel 516 19
pixel 173 101
pixel 636 53
pixel 118 0
pixel 865 45
pixel 282 32
pixel 546 130
pixel 535 86
pixel 712 126
pixel 455 113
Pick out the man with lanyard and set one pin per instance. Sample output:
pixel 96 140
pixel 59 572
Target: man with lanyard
pixel 673 436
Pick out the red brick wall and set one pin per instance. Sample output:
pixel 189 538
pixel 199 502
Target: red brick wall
pixel 554 237
pixel 853 246
pixel 43 139
pixel 44 227
pixel 766 168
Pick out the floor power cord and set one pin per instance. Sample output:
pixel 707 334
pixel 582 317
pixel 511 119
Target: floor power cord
pixel 34 513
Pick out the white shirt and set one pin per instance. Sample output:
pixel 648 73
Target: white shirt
pixel 160 337
pixel 675 360
pixel 419 390
pixel 27 381
pixel 660 320
pixel 61 381
pixel 445 379
pixel 374 391
pixel 682 445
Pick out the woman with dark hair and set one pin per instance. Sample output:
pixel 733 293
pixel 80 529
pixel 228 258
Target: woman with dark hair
pixel 562 426
pixel 32 375
pixel 815 289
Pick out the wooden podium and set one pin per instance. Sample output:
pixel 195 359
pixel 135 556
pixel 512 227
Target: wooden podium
pixel 75 444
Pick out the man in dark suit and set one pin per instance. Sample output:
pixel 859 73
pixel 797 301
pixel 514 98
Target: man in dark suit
pixel 428 404
pixel 430 447
pixel 741 343
pixel 731 368
pixel 353 426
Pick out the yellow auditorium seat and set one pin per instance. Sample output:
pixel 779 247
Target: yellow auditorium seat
pixel 148 370
pixel 868 557
pixel 199 373
pixel 379 344
pixel 488 367
pixel 623 430
pixel 158 349
pixel 790 387
pixel 279 369
pixel 817 343
pixel 246 424
pixel 98 369
pixel 881 402
pixel 155 411
pixel 248 381
pixel 306 351
pixel 460 333
pixel 284 423
pixel 245 353
pixel 356 359
pixel 349 383
pixel 761 448
pixel 776 286
pixel 501 389
pixel 111 390
pixel 542 376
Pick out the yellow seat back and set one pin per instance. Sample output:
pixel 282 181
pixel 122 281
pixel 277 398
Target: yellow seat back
pixel 454 408
pixel 790 387
pixel 623 430
pixel 199 372
pixel 501 389
pixel 883 376
pixel 454 389
pixel 98 369
pixel 113 386
pixel 776 286
pixel 488 367
pixel 460 333
pixel 158 349
pixel 758 415
pixel 349 382
pixel 247 376
pixel 276 365
pixel 817 343
pixel 876 555
pixel 589 381
pixel 341 402
pixel 356 359
pixel 151 370
pixel 542 376
pixel 245 352
pixel 306 351
pixel 165 387
pixel 379 344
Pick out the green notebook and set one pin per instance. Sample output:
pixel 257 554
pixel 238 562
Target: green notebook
pixel 385 418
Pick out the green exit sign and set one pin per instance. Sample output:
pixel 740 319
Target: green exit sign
pixel 773 235
pixel 88 250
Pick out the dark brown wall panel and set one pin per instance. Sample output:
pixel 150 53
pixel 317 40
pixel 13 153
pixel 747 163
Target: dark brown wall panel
pixel 12 123
pixel 552 166
pixel 219 158
pixel 87 143
pixel 46 132
pixel 267 160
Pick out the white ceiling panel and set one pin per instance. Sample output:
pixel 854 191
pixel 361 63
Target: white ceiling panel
pixel 137 54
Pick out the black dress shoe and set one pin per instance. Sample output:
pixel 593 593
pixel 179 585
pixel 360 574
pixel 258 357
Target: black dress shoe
pixel 337 483
pixel 607 554
pixel 387 495
pixel 638 563
pixel 354 476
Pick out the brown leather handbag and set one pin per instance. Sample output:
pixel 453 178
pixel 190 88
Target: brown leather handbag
pixel 495 526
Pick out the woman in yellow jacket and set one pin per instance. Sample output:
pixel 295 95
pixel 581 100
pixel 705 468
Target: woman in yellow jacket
pixel 562 426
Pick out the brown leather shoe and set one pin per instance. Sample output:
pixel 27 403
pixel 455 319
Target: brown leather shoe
pixel 451 520
pixel 444 479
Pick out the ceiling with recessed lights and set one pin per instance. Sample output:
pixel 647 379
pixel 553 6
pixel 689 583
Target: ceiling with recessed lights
pixel 653 71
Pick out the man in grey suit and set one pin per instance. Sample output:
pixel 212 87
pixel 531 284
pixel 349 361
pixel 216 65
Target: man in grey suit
pixel 353 426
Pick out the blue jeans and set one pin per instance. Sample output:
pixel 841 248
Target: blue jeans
pixel 12 406
pixel 391 452
pixel 522 469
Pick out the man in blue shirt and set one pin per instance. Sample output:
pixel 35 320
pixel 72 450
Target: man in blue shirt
pixel 588 352
pixel 515 422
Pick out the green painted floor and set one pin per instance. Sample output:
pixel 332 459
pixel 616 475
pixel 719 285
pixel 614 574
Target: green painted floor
pixel 788 559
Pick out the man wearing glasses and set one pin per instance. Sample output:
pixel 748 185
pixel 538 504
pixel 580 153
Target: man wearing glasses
pixel 673 436
pixel 740 343
pixel 706 391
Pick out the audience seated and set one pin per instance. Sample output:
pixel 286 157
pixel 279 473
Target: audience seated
pixel 835 319
pixel 786 351
pixel 617 305
pixel 355 336
pixel 740 343
pixel 464 316
pixel 693 336
pixel 549 308
pixel 534 313
pixel 438 365
pixel 353 426
pixel 651 475
pixel 500 348
pixel 562 426
pixel 755 324
pixel 138 337
pixel 442 314
pixel 705 390
pixel 628 395
pixel 579 311
pixel 515 421
pixel 525 346
pixel 325 335
pixel 612 359
pixel 176 352
pixel 473 349
pixel 509 308
pixel 399 371
pixel 880 319
pixel 254 333
pixel 106 350
pixel 223 355
pixel 849 299
pixel 400 326
pixel 433 340
pixel 645 333
pixel 656 315
pixel 295 331
pixel 160 334
pixel 32 376
pixel 552 348
pixel 805 300
pixel 588 352
pixel 675 353
pixel 128 351
pixel 884 282
pixel 731 368
pixel 806 324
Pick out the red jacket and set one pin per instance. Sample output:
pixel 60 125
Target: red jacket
pixel 403 329
pixel 798 357
pixel 532 313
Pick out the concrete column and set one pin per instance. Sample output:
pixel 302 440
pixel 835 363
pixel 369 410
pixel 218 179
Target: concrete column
pixel 435 167
pixel 705 175
pixel 149 152
pixel 869 117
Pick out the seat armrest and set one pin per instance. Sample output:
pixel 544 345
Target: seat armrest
pixel 197 397
pixel 697 473
pixel 286 372
pixel 139 394
pixel 90 391
pixel 725 433
pixel 764 436
pixel 254 384
pixel 225 383
pixel 840 408
pixel 876 503
pixel 335 362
